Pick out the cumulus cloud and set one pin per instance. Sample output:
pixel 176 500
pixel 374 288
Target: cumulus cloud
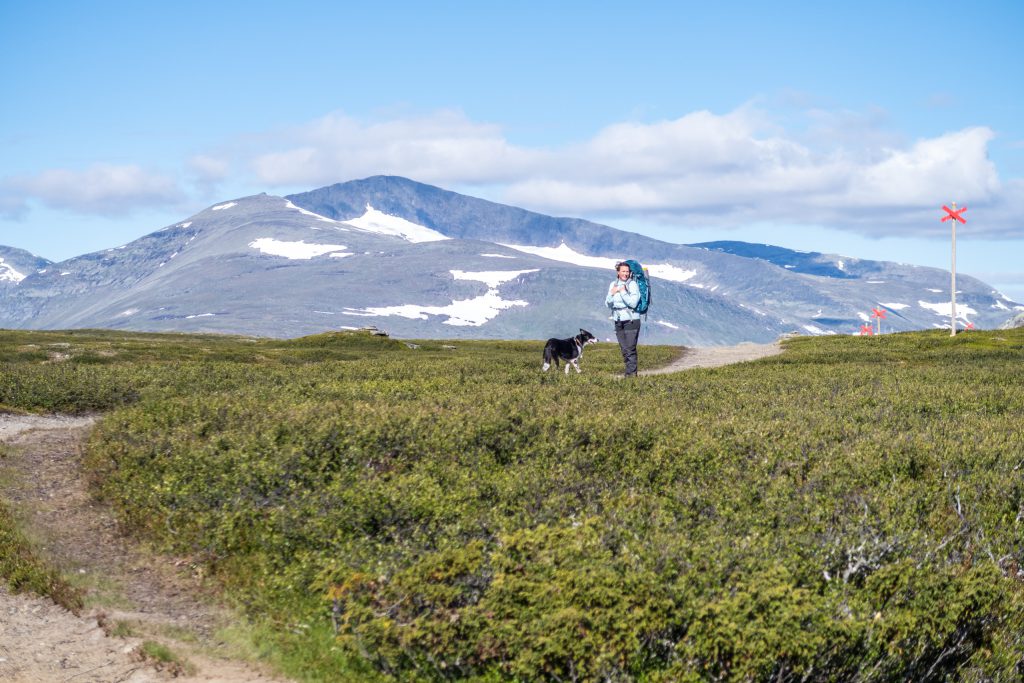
pixel 101 189
pixel 840 169
pixel 12 205
pixel 444 147
pixel 209 169
pixel 208 172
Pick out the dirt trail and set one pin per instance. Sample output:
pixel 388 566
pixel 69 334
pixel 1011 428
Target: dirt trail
pixel 714 356
pixel 148 597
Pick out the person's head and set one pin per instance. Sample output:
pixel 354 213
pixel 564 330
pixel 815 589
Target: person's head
pixel 622 269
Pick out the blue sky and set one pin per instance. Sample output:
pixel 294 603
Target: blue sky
pixel 830 128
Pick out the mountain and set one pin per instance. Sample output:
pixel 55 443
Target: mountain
pixel 1015 321
pixel 17 264
pixel 422 262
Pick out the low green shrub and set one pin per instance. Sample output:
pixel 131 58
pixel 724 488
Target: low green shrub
pixel 849 510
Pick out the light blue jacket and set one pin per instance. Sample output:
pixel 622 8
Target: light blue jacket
pixel 623 303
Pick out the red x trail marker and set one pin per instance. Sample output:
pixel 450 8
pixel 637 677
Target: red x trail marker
pixel 954 213
pixel 866 329
pixel 877 312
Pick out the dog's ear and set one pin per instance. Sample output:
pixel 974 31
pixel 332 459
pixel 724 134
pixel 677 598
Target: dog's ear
pixel 583 331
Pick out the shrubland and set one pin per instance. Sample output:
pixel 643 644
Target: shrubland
pixel 850 510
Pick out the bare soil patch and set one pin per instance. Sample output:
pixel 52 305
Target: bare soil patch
pixel 133 596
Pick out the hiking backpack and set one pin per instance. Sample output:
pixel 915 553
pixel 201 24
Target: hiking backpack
pixel 643 282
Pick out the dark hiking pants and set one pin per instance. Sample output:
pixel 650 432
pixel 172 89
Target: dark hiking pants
pixel 627 332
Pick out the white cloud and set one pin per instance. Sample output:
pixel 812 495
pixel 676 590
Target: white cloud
pixel 841 169
pixel 12 204
pixel 209 168
pixel 837 169
pixel 941 168
pixel 101 189
pixel 443 147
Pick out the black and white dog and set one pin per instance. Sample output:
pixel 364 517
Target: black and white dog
pixel 570 350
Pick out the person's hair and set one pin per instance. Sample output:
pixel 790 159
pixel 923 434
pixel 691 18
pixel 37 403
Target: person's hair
pixel 620 264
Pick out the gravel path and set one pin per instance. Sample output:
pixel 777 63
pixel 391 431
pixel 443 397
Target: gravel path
pixel 151 597
pixel 715 356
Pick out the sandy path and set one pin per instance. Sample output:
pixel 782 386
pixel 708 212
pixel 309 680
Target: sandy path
pixel 715 356
pixel 155 598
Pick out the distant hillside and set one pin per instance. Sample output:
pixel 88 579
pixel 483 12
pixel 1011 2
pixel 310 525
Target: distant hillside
pixel 422 262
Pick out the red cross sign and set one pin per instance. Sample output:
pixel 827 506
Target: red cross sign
pixel 954 214
pixel 877 312
pixel 866 329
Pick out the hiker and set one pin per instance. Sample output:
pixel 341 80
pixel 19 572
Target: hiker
pixel 623 298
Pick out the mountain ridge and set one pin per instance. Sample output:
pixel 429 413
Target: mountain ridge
pixel 423 262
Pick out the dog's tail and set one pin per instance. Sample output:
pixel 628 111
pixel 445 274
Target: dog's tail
pixel 550 357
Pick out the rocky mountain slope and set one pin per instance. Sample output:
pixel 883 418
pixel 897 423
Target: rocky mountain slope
pixel 422 262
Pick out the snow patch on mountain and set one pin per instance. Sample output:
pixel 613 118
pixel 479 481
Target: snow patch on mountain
pixel 566 254
pixel 667 271
pixel 305 212
pixel 945 308
pixel 386 224
pixel 8 273
pixel 297 250
pixel 221 207
pixel 491 278
pixel 894 307
pixel 465 312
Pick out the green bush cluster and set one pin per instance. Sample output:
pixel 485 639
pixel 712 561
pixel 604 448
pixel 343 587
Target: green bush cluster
pixel 850 510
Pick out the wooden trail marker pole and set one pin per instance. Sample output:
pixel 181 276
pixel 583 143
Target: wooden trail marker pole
pixel 954 216
pixel 878 314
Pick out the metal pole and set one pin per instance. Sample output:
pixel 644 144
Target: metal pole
pixel 952 287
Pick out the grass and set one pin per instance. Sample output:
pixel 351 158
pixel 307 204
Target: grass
pixel 851 509
pixel 165 659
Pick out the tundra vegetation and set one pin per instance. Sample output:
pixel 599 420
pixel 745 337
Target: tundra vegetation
pixel 852 509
